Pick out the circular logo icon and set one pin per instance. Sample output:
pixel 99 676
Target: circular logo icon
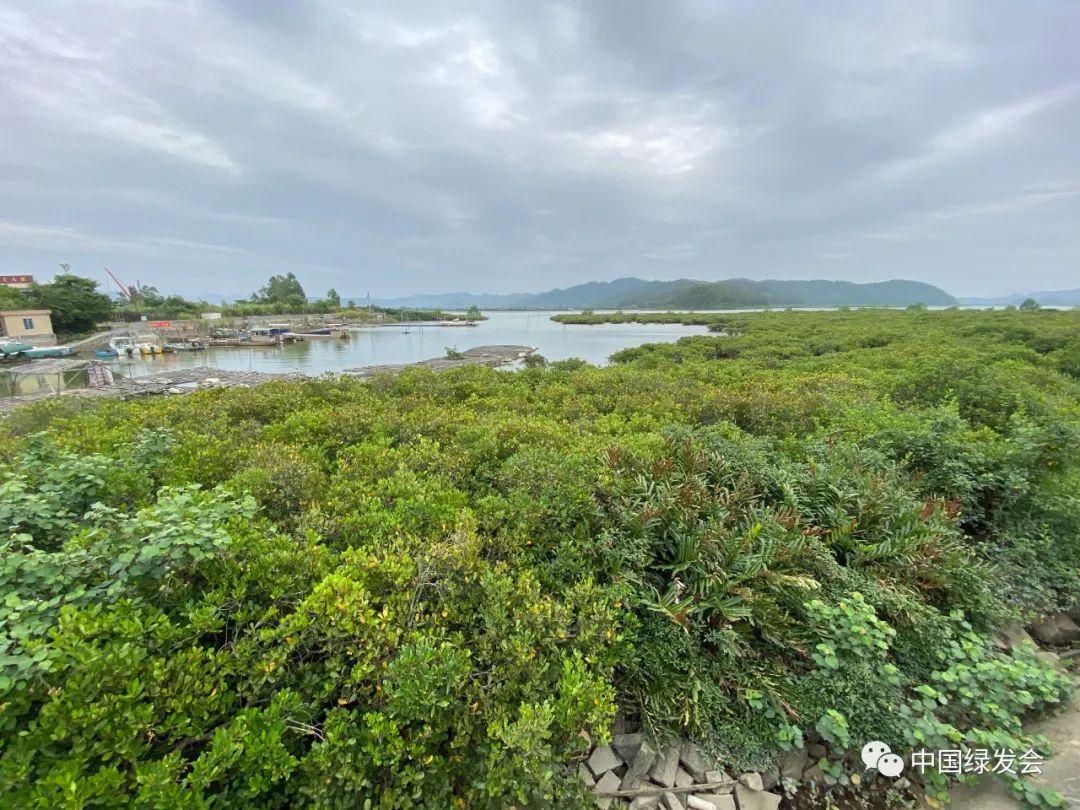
pixel 890 765
pixel 873 751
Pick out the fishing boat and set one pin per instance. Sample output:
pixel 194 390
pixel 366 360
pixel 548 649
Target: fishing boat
pixel 124 346
pixel 186 345
pixel 13 350
pixel 131 345
pixel 264 336
pixel 324 332
pixel 39 352
pixel 106 353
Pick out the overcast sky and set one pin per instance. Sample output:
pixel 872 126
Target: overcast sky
pixel 402 147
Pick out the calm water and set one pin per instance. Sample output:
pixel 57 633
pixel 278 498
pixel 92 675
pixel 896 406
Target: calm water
pixel 397 344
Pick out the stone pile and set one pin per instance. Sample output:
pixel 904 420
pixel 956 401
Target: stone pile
pixel 630 773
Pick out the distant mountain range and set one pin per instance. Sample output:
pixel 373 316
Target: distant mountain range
pixel 1048 298
pixel 636 293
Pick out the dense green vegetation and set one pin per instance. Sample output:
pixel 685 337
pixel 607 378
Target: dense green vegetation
pixel 78 306
pixel 75 302
pixel 419 590
pixel 281 295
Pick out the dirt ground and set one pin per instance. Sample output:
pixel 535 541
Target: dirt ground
pixel 1061 771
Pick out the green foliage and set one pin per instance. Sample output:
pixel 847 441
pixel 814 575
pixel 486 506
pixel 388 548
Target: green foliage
pixel 418 591
pixel 833 728
pixel 977 700
pixel 76 304
pixel 12 298
pixel 284 289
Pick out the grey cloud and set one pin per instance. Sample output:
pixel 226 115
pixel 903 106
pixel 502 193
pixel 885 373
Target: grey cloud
pixel 495 146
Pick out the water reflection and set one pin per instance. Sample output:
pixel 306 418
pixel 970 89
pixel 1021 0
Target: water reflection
pixel 409 343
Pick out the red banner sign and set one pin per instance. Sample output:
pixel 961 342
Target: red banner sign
pixel 16 279
pixel 160 324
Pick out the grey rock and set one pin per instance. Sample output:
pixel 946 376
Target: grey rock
pixel 713 800
pixel 618 725
pixel 645 802
pixel 814 774
pixel 770 778
pixel 672 802
pixel 756 799
pixel 816 750
pixel 1012 635
pixel 683 779
pixel 716 776
pixel 693 761
pixel 608 783
pixel 627 745
pixel 793 763
pixel 1047 657
pixel 639 768
pixel 603 759
pixel 585 774
pixel 666 766
pixel 1057 629
pixel 752 780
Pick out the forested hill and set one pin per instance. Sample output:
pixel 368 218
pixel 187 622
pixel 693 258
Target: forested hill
pixel 695 294
pixel 747 293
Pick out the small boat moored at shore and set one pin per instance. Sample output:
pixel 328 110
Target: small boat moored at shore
pixel 186 345
pixel 323 332
pixel 130 345
pixel 40 352
pixel 13 350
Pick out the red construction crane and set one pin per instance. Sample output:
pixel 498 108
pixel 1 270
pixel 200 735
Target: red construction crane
pixel 123 289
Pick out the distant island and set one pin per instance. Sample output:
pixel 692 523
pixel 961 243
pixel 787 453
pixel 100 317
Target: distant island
pixel 636 293
pixel 1047 298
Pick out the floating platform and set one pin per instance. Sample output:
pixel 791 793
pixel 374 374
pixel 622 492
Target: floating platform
pixel 491 356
